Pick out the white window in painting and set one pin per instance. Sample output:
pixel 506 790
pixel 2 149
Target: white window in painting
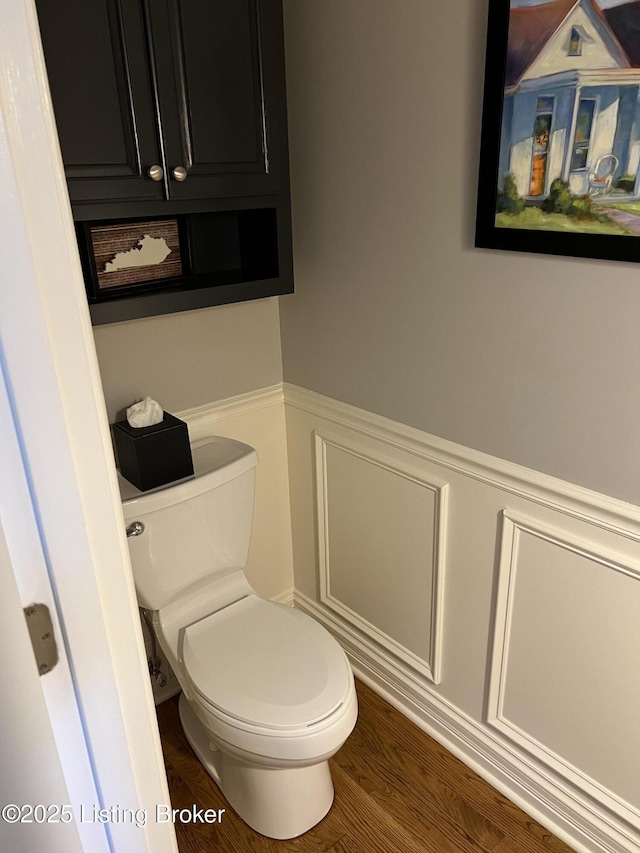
pixel 582 137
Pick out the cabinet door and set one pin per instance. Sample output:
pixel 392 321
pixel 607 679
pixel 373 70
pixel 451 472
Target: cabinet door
pixel 219 71
pixel 100 84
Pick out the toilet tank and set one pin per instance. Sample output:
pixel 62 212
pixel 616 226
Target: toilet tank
pixel 196 529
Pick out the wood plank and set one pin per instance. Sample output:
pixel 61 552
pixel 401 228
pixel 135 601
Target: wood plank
pixel 419 757
pixel 368 823
pixel 413 793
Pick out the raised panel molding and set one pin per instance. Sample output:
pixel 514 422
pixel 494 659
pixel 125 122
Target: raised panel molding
pixel 397 494
pixel 567 561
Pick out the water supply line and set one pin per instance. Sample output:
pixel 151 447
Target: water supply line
pixel 154 663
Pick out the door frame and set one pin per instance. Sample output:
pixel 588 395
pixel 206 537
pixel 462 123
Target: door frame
pixel 54 388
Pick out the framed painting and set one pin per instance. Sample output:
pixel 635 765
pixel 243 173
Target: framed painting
pixel 560 150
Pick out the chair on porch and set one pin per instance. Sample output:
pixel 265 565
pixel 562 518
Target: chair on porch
pixel 601 178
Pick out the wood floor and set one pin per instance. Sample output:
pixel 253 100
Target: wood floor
pixel 396 790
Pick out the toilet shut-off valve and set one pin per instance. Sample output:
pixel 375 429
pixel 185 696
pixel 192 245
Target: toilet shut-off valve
pixel 158 674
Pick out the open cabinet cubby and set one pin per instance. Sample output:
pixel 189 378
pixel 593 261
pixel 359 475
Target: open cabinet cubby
pixel 158 265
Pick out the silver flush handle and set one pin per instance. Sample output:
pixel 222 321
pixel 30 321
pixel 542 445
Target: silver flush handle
pixel 135 529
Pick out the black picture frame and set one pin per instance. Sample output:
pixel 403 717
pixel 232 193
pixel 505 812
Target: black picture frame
pixel 488 234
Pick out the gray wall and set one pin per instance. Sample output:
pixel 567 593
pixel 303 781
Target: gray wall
pixel 529 358
pixel 190 359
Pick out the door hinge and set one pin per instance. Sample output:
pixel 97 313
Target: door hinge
pixel 42 639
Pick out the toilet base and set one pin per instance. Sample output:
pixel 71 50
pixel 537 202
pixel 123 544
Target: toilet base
pixel 278 802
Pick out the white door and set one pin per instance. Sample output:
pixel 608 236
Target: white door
pixel 41 791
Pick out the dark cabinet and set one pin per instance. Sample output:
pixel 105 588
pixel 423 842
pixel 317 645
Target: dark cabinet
pixel 174 108
pixel 101 87
pixel 216 74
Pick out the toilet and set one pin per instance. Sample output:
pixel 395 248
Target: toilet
pixel 268 695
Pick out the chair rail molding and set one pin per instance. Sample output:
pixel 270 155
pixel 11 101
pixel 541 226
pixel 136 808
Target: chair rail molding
pixel 561 495
pixel 203 419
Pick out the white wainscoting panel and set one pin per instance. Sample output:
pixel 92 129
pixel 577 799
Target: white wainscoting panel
pixel 381 535
pixel 566 649
pixel 257 418
pixel 532 676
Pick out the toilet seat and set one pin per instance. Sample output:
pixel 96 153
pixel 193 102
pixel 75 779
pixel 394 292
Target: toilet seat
pixel 266 669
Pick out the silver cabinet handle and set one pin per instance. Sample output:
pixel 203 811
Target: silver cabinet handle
pixel 180 173
pixel 135 529
pixel 156 173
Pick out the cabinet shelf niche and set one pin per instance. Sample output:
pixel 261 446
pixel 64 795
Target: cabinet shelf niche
pixel 223 256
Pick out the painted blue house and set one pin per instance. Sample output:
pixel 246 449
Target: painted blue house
pixel 572 99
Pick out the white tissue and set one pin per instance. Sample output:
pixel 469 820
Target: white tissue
pixel 145 413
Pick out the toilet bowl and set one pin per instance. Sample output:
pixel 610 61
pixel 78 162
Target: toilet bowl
pixel 268 695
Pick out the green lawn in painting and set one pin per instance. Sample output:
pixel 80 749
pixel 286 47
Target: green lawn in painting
pixel 534 219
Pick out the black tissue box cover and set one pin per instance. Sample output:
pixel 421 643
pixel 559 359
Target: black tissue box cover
pixel 155 455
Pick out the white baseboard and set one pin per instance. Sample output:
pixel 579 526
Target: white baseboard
pixel 287 597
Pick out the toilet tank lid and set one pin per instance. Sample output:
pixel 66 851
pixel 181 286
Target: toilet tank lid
pixel 216 460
